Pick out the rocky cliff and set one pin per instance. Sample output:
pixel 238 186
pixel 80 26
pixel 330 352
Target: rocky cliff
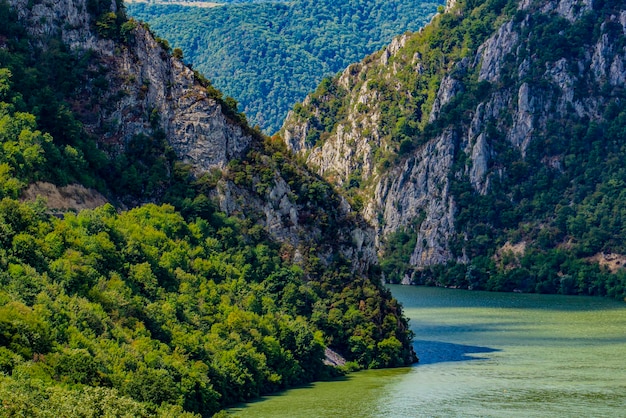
pixel 144 84
pixel 462 105
pixel 136 87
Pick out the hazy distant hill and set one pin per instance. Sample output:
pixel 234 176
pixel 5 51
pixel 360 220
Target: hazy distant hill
pixel 202 3
pixel 268 55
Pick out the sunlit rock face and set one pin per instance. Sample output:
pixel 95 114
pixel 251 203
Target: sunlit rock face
pixel 147 89
pixel 414 192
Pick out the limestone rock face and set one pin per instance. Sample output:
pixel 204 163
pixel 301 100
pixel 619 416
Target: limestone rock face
pixel 194 123
pixel 68 19
pixel 448 88
pixel 525 92
pixel 149 91
pixel 420 189
pixel 490 55
pixel 147 88
pixel 298 226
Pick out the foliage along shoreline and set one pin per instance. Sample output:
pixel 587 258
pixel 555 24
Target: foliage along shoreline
pixel 166 309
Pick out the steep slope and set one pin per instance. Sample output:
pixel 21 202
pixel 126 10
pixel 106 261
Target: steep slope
pixel 485 143
pixel 140 87
pixel 231 273
pixel 150 95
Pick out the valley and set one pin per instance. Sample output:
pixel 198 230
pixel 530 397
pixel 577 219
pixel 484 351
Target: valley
pixel 269 55
pixel 160 256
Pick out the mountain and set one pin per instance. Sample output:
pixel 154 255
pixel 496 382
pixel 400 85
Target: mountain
pixel 270 55
pixel 159 257
pixel 485 148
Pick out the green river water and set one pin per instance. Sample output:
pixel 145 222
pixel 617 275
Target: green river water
pixel 484 355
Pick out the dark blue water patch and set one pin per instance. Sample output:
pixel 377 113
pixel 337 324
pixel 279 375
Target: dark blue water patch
pixel 430 352
pixel 432 329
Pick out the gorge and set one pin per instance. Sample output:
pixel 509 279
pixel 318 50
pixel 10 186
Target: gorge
pixel 482 152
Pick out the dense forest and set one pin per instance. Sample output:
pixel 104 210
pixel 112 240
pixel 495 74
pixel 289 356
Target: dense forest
pixel 269 55
pixel 171 308
pixel 212 3
pixel 552 218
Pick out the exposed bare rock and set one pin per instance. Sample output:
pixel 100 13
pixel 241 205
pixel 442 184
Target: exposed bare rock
pixel 354 140
pixel 296 136
pixel 570 10
pixel 281 215
pixel 193 122
pixel 448 88
pixel 613 262
pixel 148 89
pixel 72 197
pixel 68 19
pixel 333 358
pixel 491 54
pixel 525 92
pixel 479 169
pixel 523 124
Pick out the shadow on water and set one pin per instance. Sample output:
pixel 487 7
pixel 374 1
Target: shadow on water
pixel 309 385
pixel 430 352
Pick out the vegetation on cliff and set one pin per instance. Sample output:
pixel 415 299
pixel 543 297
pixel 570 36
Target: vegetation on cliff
pixel 558 198
pixel 171 308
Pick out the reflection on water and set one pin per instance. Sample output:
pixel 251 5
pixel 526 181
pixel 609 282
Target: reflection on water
pixel 437 352
pixel 484 355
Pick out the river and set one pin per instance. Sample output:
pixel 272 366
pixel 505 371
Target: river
pixel 484 355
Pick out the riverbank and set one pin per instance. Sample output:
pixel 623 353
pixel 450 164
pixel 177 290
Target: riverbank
pixel 483 354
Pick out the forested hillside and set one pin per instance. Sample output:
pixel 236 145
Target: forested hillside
pixel 176 307
pixel 487 147
pixel 204 3
pixel 269 55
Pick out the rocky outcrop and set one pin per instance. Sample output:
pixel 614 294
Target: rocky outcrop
pixel 73 197
pixel 332 358
pixel 69 19
pixel 526 89
pixel 147 89
pixel 194 123
pixel 490 55
pixel 449 87
pixel 419 189
pixel 355 139
pixel 355 241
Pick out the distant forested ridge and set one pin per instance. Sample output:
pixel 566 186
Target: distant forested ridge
pixel 204 2
pixel 269 55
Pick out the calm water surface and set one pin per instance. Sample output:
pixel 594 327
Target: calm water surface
pixel 484 355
